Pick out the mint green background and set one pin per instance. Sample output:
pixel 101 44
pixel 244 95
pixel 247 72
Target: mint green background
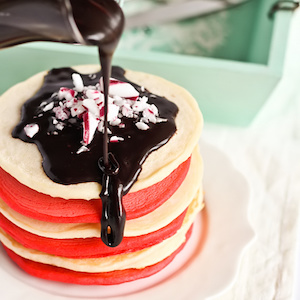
pixel 241 33
pixel 230 84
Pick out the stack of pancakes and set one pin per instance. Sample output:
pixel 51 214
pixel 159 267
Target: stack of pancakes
pixel 52 231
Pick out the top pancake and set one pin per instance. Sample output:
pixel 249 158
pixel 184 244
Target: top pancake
pixel 24 161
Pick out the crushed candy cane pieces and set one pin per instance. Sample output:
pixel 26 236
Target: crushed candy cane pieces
pixel 78 82
pixel 82 149
pixel 86 103
pixel 121 89
pixel 48 106
pixel 90 124
pixel 31 130
pixel 115 139
pixel 142 126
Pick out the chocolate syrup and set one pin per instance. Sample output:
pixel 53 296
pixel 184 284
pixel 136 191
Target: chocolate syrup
pixel 106 36
pixel 63 165
pixel 90 22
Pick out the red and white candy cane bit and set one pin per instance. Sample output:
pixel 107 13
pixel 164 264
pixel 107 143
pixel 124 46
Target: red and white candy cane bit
pixel 116 139
pixel 121 89
pixel 61 113
pixel 31 129
pixel 87 103
pixel 78 82
pixel 66 93
pixel 90 124
pixel 91 106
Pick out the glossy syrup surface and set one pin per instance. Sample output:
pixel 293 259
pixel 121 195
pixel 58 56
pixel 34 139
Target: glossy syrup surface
pixel 59 151
pixel 114 166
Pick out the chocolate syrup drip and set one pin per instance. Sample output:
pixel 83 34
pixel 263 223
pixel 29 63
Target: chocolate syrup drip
pixel 113 213
pixel 105 34
pixel 90 22
pixel 117 175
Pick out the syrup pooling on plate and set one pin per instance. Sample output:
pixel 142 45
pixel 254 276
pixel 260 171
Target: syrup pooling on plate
pixel 70 155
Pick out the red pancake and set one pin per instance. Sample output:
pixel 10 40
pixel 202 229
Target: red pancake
pixel 107 278
pixel 88 247
pixel 33 204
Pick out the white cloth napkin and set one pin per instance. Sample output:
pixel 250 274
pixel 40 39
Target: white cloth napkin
pixel 268 154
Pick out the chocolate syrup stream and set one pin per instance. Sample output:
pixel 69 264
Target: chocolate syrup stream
pixel 113 213
pixel 105 61
pixel 100 23
pixel 63 165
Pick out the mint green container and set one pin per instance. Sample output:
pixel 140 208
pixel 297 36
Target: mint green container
pixel 231 86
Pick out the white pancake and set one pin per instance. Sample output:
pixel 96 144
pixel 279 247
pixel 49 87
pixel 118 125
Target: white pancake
pixel 23 160
pixel 190 188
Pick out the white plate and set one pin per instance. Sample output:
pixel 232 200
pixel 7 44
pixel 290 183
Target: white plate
pixel 205 267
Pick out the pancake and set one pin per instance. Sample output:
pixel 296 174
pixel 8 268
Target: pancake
pixel 50 272
pixel 16 157
pixel 153 221
pixel 52 230
pixel 46 208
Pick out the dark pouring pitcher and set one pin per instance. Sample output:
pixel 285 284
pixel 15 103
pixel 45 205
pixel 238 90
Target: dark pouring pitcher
pixel 68 21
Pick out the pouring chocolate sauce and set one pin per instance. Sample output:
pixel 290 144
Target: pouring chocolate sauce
pixel 105 33
pixel 89 22
pixel 65 164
